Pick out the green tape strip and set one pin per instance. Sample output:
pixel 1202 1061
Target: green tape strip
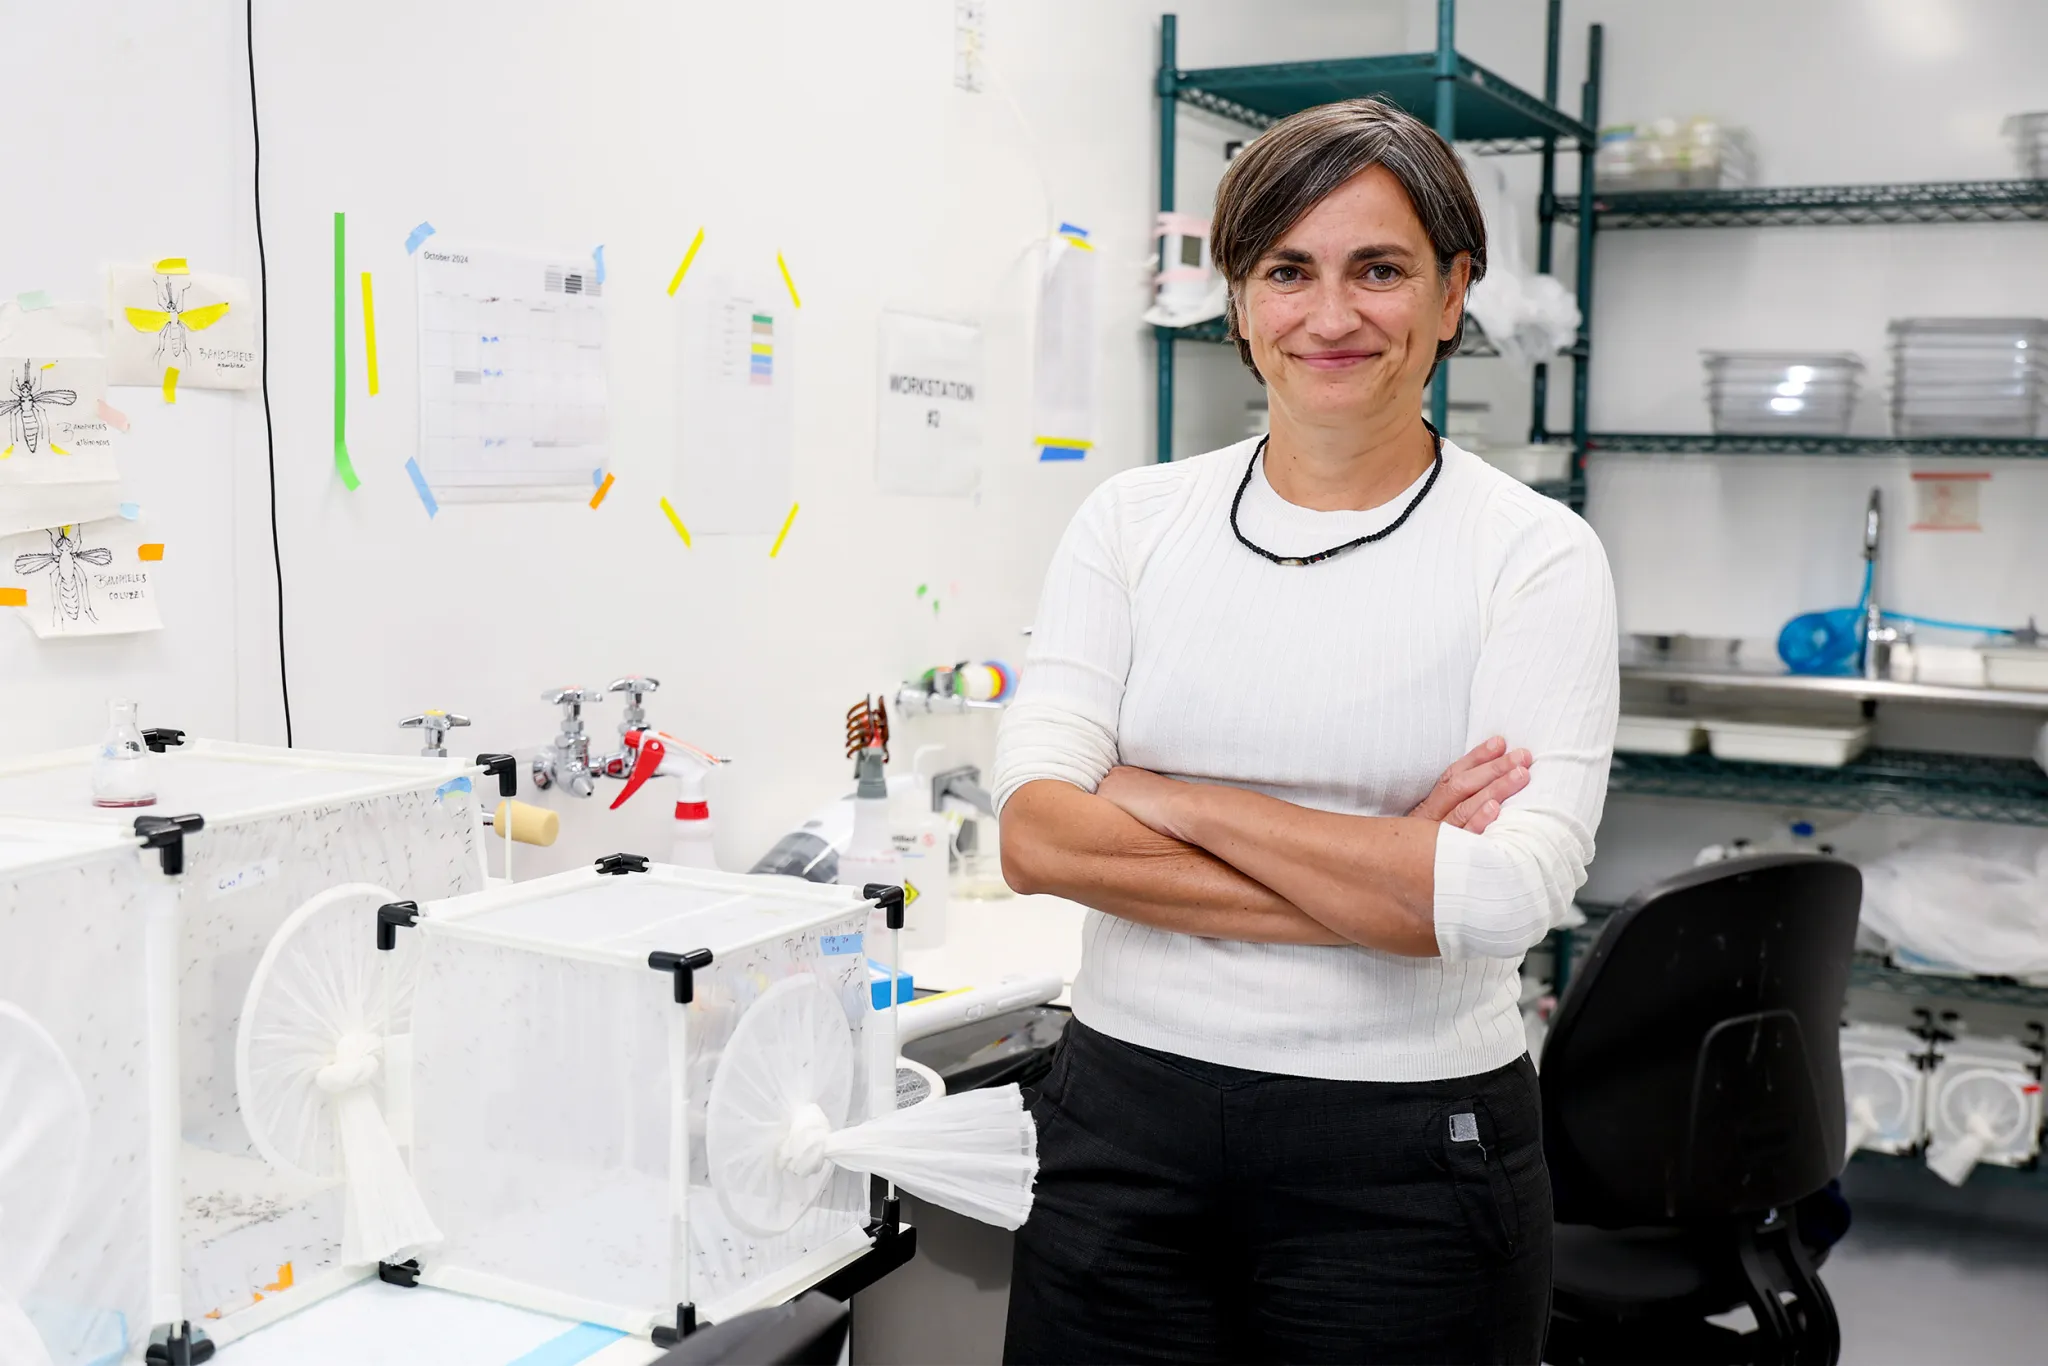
pixel 343 466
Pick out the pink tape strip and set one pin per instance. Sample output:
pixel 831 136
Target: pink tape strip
pixel 113 416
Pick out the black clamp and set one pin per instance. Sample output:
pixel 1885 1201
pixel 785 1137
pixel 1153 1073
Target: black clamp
pixel 160 738
pixel 618 865
pixel 166 834
pixel 889 898
pixel 180 1347
pixel 504 768
pixel 683 965
pixel 686 1324
pixel 390 917
pixel 405 1273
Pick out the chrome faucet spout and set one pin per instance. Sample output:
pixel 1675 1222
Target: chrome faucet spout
pixel 1878 638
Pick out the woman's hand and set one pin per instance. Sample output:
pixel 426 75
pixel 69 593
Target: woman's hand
pixel 1147 797
pixel 1470 793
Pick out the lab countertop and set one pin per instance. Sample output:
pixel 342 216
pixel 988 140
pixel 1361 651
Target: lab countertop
pixel 987 941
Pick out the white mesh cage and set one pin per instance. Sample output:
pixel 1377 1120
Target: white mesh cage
pixel 546 1089
pixel 74 904
pixel 280 827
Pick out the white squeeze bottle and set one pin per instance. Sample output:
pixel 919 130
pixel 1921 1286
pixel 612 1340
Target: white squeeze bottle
pixel 871 857
pixel 121 771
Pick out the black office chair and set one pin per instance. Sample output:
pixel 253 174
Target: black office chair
pixel 1692 1096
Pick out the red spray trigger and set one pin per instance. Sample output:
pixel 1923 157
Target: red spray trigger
pixel 647 758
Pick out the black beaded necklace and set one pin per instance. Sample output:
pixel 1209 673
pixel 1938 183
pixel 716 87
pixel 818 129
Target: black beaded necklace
pixel 1435 469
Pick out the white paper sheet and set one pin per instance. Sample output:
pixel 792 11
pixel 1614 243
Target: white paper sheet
pixel 928 410
pixel 205 325
pixel 1063 377
pixel 82 580
pixel 513 390
pixel 56 451
pixel 736 467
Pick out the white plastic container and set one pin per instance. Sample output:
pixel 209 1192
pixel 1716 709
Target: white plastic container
pixel 2016 666
pixel 1768 742
pixel 280 826
pixel 1884 1088
pixel 560 1091
pixel 1659 734
pixel 77 907
pixel 1983 1105
pixel 1549 463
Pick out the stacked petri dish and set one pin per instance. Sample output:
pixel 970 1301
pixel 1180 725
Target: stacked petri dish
pixel 1968 376
pixel 2029 136
pixel 1794 393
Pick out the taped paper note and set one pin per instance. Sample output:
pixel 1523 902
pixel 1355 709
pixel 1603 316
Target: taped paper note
pixel 928 413
pixel 83 580
pixel 513 385
pixel 1064 365
pixel 56 446
pixel 202 324
pixel 739 352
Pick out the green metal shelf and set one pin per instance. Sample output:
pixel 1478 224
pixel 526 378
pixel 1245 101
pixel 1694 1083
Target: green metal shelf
pixel 1949 201
pixel 1988 1172
pixel 1490 110
pixel 1874 974
pixel 1884 782
pixel 1705 443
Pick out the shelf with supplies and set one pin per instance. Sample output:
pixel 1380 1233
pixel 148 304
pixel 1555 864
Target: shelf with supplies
pixel 1477 344
pixel 1891 782
pixel 1923 447
pixel 1943 201
pixel 1867 972
pixel 1711 679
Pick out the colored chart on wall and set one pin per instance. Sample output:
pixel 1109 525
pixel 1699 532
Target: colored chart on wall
pixel 736 400
pixel 513 389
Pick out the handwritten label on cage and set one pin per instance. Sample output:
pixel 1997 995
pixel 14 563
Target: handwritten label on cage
pixel 836 944
pixel 242 879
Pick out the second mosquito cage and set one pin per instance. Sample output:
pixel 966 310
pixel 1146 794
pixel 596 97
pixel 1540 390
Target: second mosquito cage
pixel 567 1036
pixel 279 826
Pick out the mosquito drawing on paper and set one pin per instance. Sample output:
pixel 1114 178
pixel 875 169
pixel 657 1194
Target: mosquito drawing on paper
pixel 172 322
pixel 25 408
pixel 70 597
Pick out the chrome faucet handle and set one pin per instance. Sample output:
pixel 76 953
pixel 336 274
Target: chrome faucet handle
pixel 1872 515
pixel 636 688
pixel 434 727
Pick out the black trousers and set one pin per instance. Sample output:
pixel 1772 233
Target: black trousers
pixel 1191 1212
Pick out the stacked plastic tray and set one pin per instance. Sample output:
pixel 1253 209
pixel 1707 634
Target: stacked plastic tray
pixel 1968 376
pixel 1761 393
pixel 2029 136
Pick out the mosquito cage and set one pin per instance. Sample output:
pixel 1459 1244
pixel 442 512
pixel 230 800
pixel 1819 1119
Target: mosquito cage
pixel 279 826
pixel 77 905
pixel 560 1089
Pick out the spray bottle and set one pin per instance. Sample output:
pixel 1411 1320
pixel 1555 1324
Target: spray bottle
pixel 871 854
pixel 659 754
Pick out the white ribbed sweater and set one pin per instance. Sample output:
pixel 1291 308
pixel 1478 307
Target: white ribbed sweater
pixel 1347 686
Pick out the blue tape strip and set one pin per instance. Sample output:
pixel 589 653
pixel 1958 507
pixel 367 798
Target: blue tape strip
pixel 1069 230
pixel 597 477
pixel 417 236
pixel 33 299
pixel 1061 453
pixel 835 944
pixel 599 254
pixel 583 1341
pixel 419 483
pixel 131 511
pixel 452 785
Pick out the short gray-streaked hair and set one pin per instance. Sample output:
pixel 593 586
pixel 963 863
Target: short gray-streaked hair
pixel 1288 169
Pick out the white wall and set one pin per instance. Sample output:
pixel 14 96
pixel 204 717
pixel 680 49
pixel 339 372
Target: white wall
pixel 827 130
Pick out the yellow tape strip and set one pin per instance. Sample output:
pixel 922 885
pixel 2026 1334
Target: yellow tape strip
pixel 1077 242
pixel 684 269
pixel 1065 442
pixel 783 534
pixel 787 281
pixel 602 490
pixel 56 449
pixel 677 523
pixel 370 333
pixel 47 365
pixel 170 384
pixel 173 265
pixel 9 451
pixel 154 550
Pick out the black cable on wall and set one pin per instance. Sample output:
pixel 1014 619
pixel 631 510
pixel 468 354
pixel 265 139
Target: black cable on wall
pixel 284 682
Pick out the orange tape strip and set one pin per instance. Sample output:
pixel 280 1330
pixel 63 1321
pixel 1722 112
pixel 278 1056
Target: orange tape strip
pixel 13 597
pixel 152 550
pixel 602 489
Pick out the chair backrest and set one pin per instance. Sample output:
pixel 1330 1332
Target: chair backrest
pixel 1692 1070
